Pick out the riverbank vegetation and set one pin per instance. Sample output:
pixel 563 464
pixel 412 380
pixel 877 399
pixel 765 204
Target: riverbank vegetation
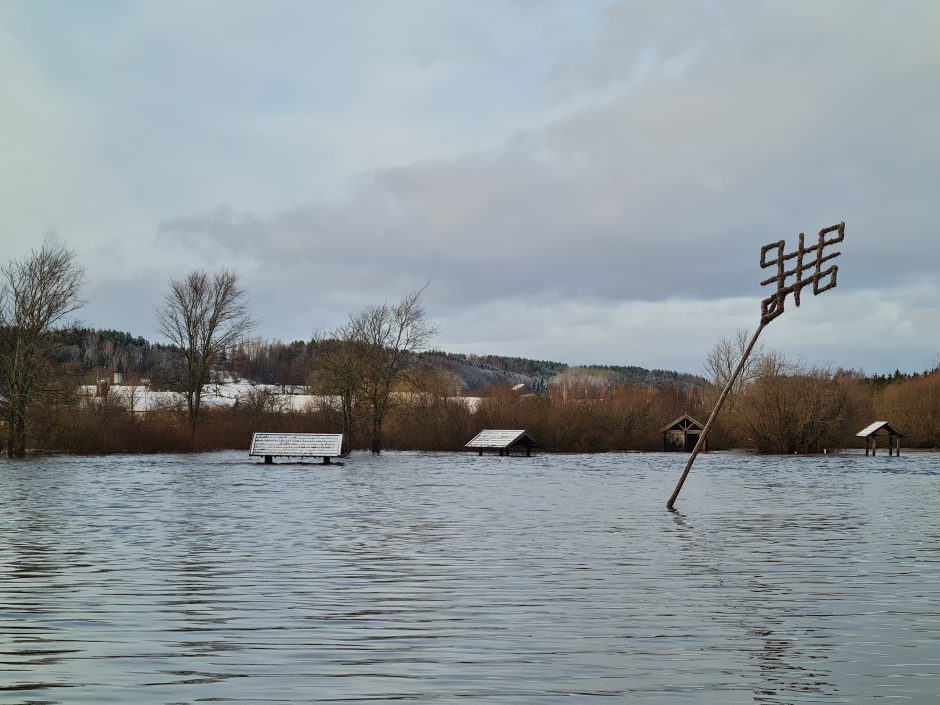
pixel 793 410
pixel 373 380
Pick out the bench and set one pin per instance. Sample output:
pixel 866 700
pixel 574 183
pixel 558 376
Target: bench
pixel 296 445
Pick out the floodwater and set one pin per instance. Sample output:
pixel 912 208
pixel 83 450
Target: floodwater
pixel 437 578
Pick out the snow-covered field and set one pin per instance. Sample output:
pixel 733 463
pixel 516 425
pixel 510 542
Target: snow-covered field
pixel 233 393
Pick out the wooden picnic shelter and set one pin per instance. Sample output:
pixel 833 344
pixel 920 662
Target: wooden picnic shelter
pixel 296 445
pixel 505 441
pixel 882 428
pixel 682 434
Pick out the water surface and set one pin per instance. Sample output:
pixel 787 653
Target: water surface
pixel 430 578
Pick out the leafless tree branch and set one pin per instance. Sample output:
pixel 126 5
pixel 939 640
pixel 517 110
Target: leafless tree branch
pixel 37 294
pixel 203 316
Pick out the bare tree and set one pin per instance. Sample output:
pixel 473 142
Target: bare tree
pixel 36 296
pixel 796 410
pixel 340 371
pixel 723 358
pixel 389 336
pixel 203 315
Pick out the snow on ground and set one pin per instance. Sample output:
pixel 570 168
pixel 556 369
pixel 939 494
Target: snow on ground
pixel 233 394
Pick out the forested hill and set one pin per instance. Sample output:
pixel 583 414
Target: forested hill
pixel 274 362
pixel 480 371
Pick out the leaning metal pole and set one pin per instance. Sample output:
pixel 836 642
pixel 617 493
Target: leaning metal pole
pixel 711 419
pixel 773 306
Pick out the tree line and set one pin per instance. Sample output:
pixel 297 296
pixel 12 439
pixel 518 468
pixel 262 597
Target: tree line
pixel 389 391
pixel 205 318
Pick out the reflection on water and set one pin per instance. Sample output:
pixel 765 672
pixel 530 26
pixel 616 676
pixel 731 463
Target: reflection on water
pixel 435 577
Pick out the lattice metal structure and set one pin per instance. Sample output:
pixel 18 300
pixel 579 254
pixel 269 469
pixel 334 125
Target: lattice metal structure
pixel 795 270
pixel 772 306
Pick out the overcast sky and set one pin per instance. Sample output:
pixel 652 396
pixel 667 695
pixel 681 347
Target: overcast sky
pixel 583 181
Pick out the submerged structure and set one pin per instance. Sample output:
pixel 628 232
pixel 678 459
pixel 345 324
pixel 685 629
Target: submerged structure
pixel 682 434
pixel 296 445
pixel 883 429
pixel 503 441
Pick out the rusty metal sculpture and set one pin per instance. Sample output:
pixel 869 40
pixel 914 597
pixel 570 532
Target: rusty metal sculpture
pixel 808 270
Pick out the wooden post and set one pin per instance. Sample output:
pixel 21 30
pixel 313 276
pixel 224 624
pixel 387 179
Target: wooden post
pixel 481 452
pixel 711 419
pixel 326 460
pixel 899 446
pixel 268 460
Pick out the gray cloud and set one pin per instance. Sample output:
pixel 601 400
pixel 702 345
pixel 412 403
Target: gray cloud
pixel 751 124
pixel 635 175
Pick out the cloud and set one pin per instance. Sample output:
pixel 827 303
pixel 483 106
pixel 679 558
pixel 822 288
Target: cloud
pixel 774 124
pixel 586 170
pixel 874 330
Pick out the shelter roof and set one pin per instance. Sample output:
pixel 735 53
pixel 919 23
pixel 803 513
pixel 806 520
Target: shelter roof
pixel 494 438
pixel 683 423
pixel 882 428
pixel 297 444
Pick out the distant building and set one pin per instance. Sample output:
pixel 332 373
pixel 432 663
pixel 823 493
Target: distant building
pixel 142 398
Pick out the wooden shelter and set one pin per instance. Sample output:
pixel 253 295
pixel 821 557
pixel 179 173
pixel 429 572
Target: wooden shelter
pixel 682 434
pixel 882 428
pixel 503 441
pixel 296 445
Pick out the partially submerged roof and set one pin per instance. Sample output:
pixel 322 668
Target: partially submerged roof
pixel 683 423
pixel 881 428
pixel 492 438
pixel 298 445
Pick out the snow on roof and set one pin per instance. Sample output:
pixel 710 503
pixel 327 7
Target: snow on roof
pixel 492 438
pixel 297 444
pixel 888 427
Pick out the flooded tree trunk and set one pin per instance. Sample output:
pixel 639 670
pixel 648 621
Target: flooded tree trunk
pixel 376 435
pixel 16 440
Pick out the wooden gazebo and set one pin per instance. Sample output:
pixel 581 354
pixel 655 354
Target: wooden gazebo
pixel 682 434
pixel 882 428
pixel 503 441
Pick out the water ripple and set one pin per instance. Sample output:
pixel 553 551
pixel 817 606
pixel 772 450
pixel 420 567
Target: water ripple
pixel 428 578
